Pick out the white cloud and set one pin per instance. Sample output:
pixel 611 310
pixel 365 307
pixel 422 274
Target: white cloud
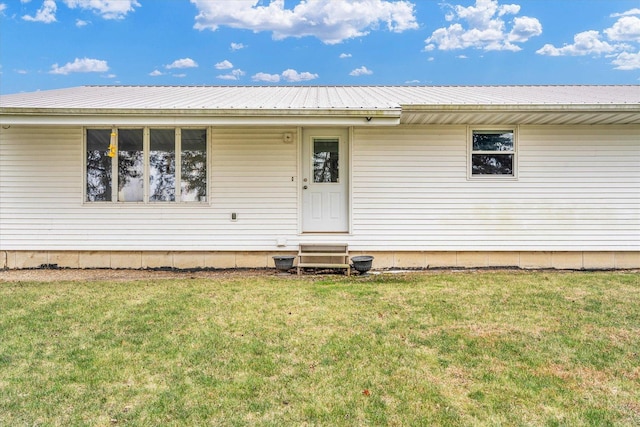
pixel 362 71
pixel 622 42
pixel 84 65
pixel 224 65
pixel 3 7
pixel 81 23
pixel 345 55
pixel 585 43
pixel 110 76
pixel 179 75
pixel 46 14
pixel 329 20
pixel 233 75
pixel 627 28
pixel 485 28
pixel 182 63
pixel 108 9
pixel 156 73
pixel 630 12
pixel 288 75
pixel 22 72
pixel 524 28
pixel 264 77
pixel 627 61
pixel 293 76
pixel 237 46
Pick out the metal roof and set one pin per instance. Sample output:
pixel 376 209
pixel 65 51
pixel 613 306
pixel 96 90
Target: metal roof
pixel 395 104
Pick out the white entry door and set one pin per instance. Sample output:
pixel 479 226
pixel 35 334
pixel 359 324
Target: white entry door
pixel 325 180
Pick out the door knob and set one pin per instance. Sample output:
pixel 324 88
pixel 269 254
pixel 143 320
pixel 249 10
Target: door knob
pixel 305 187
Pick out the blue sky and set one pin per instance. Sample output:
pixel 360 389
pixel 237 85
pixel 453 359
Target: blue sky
pixel 49 44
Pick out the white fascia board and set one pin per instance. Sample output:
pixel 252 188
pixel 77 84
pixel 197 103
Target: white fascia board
pixel 202 118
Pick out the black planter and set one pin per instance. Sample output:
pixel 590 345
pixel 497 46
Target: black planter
pixel 362 263
pixel 283 263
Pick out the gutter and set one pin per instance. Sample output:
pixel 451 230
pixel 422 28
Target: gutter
pixel 208 117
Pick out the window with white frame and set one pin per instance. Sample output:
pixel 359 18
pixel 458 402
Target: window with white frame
pixel 147 165
pixel 492 153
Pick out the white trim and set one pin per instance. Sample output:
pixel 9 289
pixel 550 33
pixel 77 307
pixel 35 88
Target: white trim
pixel 177 191
pixel 299 178
pixel 351 135
pixel 162 119
pixel 326 132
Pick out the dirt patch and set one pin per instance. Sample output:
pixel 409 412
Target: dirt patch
pixel 100 274
pixel 87 275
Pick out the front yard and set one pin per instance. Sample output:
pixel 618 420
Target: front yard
pixel 443 348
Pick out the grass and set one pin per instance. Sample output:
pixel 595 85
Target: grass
pixel 472 348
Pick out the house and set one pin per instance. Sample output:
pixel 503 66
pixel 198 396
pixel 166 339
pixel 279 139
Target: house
pixel 223 177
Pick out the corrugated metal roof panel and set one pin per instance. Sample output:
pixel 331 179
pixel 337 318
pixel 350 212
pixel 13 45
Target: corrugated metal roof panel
pixel 408 104
pixel 198 97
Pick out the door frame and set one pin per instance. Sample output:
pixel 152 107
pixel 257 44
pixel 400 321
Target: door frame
pixel 348 187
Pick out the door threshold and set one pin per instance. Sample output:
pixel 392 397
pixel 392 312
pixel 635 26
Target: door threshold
pixel 333 233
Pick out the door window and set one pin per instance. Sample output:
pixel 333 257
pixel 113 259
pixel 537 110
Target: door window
pixel 325 160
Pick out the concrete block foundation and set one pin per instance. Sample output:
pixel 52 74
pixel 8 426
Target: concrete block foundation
pixel 263 259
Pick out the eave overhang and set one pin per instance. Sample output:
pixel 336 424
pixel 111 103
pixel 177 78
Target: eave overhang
pixel 520 114
pixel 203 117
pixel 619 114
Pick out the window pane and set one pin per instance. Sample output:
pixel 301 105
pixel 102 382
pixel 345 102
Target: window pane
pixel 492 141
pixel 492 164
pixel 130 166
pixel 98 165
pixel 162 165
pixel 193 179
pixel 325 160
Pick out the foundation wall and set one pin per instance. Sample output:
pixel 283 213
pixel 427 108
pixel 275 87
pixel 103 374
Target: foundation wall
pixel 383 260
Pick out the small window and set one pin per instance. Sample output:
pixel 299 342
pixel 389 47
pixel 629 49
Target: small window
pixel 193 177
pixel 99 165
pixel 146 165
pixel 130 166
pixel 326 153
pixel 493 153
pixel 162 165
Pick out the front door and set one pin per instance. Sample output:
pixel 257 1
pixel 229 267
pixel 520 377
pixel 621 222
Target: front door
pixel 325 180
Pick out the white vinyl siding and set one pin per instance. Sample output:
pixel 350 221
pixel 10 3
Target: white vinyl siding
pixel 251 175
pixel 577 190
pixel 42 208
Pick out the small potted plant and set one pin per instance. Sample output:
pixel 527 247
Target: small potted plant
pixel 362 263
pixel 283 263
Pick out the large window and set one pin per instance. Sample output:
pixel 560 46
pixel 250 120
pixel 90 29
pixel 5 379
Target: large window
pixel 492 153
pixel 147 165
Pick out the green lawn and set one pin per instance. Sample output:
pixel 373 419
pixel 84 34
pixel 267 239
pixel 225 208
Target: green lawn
pixel 466 348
